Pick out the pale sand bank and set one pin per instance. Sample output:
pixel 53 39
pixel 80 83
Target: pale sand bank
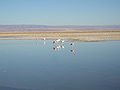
pixel 65 35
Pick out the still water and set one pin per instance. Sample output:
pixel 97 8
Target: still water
pixel 42 65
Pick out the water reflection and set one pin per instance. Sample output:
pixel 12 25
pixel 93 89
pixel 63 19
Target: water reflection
pixel 58 47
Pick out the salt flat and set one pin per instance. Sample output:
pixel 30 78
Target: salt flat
pixel 64 35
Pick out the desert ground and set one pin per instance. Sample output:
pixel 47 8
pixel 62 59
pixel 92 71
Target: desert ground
pixel 64 35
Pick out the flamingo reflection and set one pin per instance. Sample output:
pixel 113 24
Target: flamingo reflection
pixel 73 51
pixel 57 47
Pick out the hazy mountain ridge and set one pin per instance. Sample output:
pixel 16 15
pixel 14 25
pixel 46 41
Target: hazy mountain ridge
pixel 5 28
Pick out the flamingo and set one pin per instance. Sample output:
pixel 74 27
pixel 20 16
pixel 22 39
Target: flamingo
pixel 71 43
pixel 58 40
pixel 62 41
pixel 55 41
pixel 44 38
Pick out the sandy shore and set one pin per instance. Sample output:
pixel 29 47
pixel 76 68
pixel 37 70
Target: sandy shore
pixel 65 35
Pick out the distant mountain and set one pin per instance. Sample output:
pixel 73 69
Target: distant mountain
pixel 23 28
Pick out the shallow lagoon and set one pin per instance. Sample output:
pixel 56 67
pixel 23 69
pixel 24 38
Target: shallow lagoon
pixel 40 65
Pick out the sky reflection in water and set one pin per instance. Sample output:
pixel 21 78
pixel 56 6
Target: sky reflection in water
pixel 42 65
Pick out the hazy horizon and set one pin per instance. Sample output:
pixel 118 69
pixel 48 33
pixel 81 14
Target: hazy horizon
pixel 29 28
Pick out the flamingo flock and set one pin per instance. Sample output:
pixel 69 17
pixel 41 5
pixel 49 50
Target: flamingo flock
pixel 58 40
pixel 58 44
pixel 55 42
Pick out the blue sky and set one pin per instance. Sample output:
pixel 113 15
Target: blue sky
pixel 60 12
